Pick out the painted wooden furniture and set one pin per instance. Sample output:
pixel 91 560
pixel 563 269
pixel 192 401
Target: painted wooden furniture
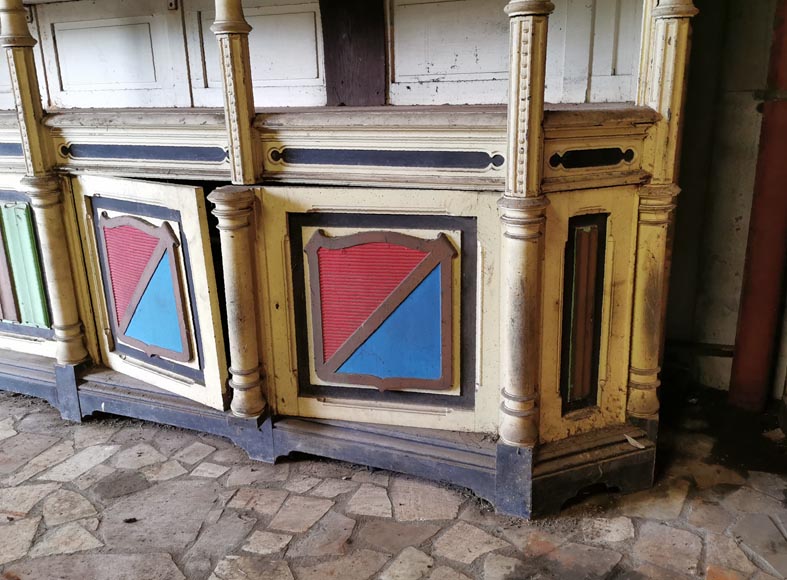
pixel 473 294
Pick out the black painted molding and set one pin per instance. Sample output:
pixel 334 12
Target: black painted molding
pixel 144 152
pixel 584 158
pixel 393 158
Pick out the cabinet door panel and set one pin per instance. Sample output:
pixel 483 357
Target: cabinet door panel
pixel 153 285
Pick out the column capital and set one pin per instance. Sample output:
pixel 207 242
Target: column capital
pixel 675 9
pixel 233 206
pixel 229 18
pixel 529 8
pixel 14 31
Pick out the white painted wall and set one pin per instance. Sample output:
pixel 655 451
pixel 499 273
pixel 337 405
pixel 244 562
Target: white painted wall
pixel 137 53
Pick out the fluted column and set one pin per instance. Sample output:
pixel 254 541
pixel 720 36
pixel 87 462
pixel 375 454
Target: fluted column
pixel 522 217
pixel 41 184
pixel 663 89
pixel 232 33
pixel 233 208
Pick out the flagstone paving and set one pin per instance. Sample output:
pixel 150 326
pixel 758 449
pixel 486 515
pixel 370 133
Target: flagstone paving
pixel 119 499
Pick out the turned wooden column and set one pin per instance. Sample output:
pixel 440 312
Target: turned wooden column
pixel 662 88
pixel 232 33
pixel 41 184
pixel 522 217
pixel 233 208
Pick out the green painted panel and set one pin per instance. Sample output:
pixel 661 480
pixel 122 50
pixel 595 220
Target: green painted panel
pixel 20 243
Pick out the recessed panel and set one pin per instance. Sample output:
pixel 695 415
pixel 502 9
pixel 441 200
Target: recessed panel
pixel 457 51
pixel 382 307
pixel 23 267
pixel 283 48
pixel 119 53
pixel 113 54
pixel 450 40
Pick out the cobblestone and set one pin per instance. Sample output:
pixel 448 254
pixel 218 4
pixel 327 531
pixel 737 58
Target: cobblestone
pixel 119 499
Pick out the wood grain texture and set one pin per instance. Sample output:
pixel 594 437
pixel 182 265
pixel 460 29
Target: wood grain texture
pixel 354 36
pixel 583 295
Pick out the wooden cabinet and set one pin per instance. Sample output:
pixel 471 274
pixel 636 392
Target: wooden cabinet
pixel 469 293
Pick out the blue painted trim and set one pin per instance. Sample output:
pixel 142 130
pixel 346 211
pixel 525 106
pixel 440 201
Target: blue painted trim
pixel 145 152
pixel 12 195
pixel 10 150
pixel 382 158
pixel 24 330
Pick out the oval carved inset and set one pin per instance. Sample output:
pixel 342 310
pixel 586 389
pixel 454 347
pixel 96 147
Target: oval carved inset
pixel 584 158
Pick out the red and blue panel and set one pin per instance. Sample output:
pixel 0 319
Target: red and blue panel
pixel 144 291
pixel 381 309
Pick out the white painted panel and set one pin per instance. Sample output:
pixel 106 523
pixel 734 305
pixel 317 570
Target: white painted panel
pixel 449 40
pixel 448 51
pixel 120 53
pixel 285 47
pixel 456 51
pixel 568 51
pixel 114 53
pixel 616 44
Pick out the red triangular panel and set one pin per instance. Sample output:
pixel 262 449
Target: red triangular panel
pixel 354 282
pixel 128 253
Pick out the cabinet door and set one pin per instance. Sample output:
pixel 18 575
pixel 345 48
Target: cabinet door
pixel 371 305
pixel 152 283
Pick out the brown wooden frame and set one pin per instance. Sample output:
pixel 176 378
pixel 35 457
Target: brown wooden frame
pixel 167 245
pixel 440 251
pixel 8 309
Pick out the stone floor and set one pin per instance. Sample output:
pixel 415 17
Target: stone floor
pixel 116 499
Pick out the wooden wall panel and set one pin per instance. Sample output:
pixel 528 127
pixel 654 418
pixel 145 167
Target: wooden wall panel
pixel 354 33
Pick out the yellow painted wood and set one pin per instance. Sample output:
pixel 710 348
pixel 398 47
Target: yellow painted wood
pixel 277 317
pixel 621 205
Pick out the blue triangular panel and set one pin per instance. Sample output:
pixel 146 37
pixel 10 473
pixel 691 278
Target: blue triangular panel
pixel 155 320
pixel 409 343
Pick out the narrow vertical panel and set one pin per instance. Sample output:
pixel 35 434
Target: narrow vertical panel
pixel 629 32
pixel 605 37
pixel 22 250
pixel 579 42
pixel 582 310
pixel 8 309
pixel 354 38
